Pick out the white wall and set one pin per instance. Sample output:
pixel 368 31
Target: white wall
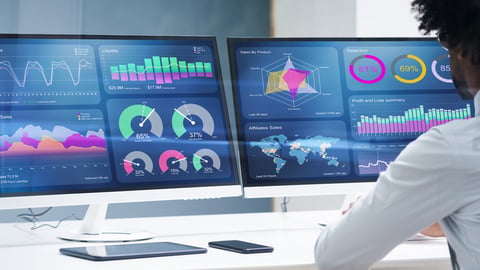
pixel 380 18
pixel 313 18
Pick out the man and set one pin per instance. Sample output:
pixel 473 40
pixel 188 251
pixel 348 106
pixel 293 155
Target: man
pixel 435 179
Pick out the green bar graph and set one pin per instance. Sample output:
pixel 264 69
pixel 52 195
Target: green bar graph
pixel 413 120
pixel 161 69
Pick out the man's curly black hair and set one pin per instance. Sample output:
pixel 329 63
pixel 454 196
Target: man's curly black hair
pixel 456 22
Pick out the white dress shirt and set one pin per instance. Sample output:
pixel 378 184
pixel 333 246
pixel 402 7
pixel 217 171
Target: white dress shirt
pixel 436 178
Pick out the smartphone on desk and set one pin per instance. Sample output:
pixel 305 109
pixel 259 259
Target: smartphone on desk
pixel 131 251
pixel 240 246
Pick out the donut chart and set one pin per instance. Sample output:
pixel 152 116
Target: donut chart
pixel 379 68
pixel 444 69
pixel 409 69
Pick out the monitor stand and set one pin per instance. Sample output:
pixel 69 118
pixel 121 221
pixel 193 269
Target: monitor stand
pixel 92 229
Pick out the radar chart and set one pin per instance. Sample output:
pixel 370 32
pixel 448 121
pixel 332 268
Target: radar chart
pixel 291 81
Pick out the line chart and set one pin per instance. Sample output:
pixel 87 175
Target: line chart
pixel 32 66
pixel 59 74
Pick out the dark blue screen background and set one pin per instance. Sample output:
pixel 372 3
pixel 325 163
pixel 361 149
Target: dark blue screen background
pixel 309 96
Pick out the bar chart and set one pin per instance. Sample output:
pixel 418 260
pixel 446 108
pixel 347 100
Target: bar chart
pixel 414 120
pixel 161 70
pixel 386 117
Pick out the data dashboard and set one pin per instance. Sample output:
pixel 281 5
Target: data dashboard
pixel 106 113
pixel 330 110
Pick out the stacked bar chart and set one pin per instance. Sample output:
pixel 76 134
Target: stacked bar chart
pixel 160 70
pixel 414 120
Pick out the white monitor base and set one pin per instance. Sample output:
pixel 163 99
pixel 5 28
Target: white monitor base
pixel 107 236
pixel 92 229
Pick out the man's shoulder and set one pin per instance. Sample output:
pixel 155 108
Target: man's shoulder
pixel 458 127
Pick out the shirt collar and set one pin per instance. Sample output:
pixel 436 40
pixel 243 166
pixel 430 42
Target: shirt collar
pixel 476 101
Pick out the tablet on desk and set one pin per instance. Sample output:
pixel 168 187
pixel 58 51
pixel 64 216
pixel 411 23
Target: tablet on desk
pixel 131 251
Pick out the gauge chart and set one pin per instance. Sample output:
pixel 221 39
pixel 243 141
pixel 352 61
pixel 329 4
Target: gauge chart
pixel 173 161
pixel 194 120
pixel 137 162
pixel 206 159
pixel 140 120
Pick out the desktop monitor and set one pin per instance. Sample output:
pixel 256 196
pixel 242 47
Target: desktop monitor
pixel 87 119
pixel 327 115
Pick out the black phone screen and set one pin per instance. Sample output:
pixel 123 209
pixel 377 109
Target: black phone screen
pixel 240 246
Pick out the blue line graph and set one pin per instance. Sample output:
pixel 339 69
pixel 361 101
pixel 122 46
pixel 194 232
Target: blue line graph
pixel 54 74
pixel 32 66
pixel 372 159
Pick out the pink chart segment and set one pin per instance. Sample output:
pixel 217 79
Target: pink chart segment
pixel 293 78
pixel 369 68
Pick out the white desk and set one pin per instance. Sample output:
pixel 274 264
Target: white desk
pixel 291 234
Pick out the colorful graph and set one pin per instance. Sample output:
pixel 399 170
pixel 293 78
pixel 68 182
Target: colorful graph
pixel 414 120
pixel 33 140
pixel 206 159
pixel 184 117
pixel 441 68
pixel 170 158
pixel 408 69
pixel 137 162
pixel 133 120
pixel 161 70
pixel 283 76
pixel 364 66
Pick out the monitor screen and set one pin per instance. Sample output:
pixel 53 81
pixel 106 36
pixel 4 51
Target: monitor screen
pixel 325 115
pixel 118 118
